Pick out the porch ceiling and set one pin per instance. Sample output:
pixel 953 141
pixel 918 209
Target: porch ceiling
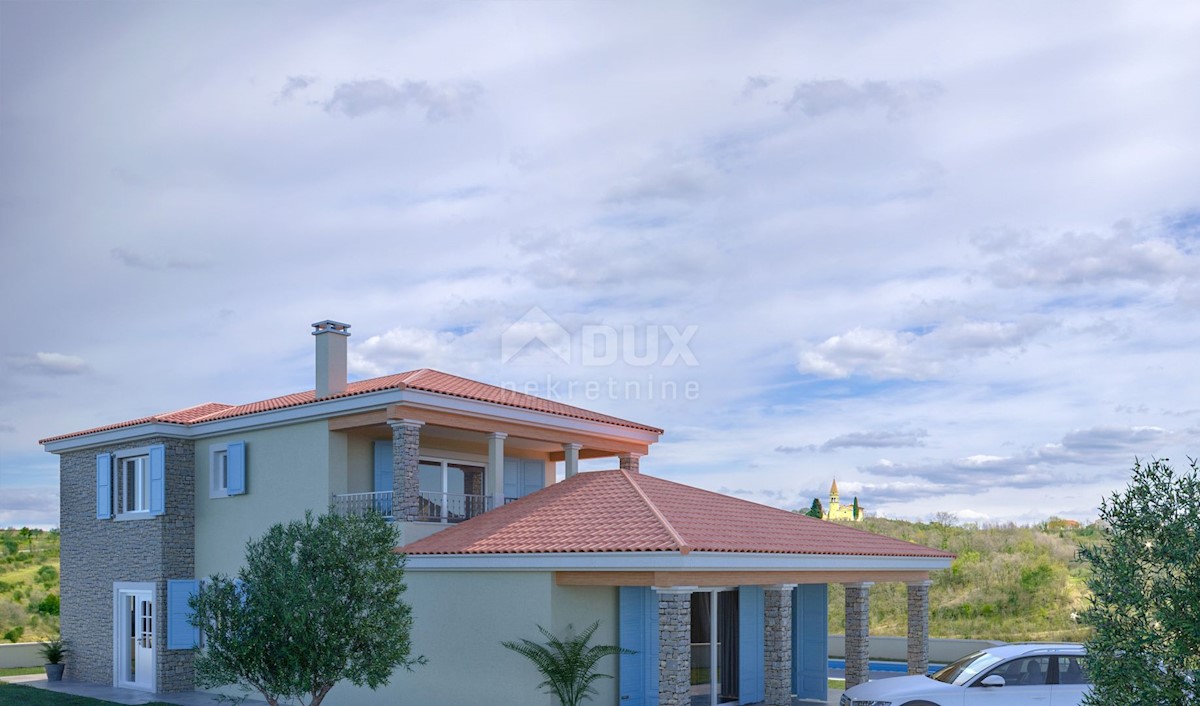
pixel 461 427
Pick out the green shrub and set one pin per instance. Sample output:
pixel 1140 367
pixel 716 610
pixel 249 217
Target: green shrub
pixel 49 605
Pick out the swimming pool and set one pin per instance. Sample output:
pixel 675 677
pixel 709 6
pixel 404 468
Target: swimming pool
pixel 884 669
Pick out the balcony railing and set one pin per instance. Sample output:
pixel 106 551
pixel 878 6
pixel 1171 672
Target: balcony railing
pixel 432 507
pixel 451 507
pixel 362 503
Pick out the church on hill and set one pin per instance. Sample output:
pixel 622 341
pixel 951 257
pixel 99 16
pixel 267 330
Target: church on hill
pixel 837 511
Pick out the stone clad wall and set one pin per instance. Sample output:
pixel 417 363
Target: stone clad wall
pixel 96 553
pixel 777 646
pixel 674 648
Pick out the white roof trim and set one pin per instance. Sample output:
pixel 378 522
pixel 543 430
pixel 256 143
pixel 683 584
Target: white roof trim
pixel 671 561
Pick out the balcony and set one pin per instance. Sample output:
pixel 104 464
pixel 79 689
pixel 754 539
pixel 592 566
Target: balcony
pixel 451 507
pixel 431 507
pixel 362 503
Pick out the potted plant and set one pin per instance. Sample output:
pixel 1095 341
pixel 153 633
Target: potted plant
pixel 54 651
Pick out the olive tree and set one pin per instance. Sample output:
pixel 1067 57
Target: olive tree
pixel 1145 584
pixel 318 601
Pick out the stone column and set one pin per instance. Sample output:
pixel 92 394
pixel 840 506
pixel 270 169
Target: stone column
pixel 629 461
pixel 857 633
pixel 495 467
pixel 918 627
pixel 674 646
pixel 571 459
pixel 406 484
pixel 777 645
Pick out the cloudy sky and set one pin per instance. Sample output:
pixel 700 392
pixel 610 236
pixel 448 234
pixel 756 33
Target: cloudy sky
pixel 947 253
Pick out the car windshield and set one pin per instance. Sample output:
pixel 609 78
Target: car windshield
pixel 960 672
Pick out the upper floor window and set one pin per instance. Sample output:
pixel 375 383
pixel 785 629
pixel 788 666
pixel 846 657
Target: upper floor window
pixel 135 483
pixel 227 470
pixel 131 483
pixel 219 474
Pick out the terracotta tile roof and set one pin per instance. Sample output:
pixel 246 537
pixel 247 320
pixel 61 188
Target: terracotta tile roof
pixel 424 379
pixel 619 511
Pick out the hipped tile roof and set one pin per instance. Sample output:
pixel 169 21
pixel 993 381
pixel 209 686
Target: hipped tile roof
pixel 424 379
pixel 620 511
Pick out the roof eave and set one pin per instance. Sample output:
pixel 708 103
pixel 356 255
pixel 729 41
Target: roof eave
pixel 671 561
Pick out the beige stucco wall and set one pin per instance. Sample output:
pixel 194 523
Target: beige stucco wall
pixel 288 470
pixel 459 619
pixel 577 607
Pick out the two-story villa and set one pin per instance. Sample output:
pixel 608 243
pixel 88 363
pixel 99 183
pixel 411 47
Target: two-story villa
pixel 723 600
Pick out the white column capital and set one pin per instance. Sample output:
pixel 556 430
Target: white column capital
pixel 780 587
pixel 675 589
pixel 405 423
pixel 914 584
pixel 572 447
pixel 859 584
pixel 497 435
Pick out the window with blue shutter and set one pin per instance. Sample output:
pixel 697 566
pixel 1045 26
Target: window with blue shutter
pixel 235 460
pixel 104 486
pixel 181 634
pixel 810 641
pixel 751 684
pixel 158 480
pixel 637 675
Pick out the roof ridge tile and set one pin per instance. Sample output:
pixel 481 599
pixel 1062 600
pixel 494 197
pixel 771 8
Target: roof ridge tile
pixel 683 546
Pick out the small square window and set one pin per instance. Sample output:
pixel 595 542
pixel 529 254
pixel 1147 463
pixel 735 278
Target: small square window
pixel 219 474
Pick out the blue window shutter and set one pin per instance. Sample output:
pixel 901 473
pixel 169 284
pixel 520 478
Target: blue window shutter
pixel 752 680
pixel 637 674
pixel 533 476
pixel 512 477
pixel 158 479
pixel 235 466
pixel 181 634
pixel 383 466
pixel 810 641
pixel 103 486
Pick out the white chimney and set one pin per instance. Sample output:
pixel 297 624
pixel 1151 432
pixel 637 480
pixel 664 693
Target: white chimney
pixel 331 357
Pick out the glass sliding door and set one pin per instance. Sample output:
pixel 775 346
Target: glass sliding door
pixel 714 647
pixel 451 491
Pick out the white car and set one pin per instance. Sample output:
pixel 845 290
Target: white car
pixel 1038 674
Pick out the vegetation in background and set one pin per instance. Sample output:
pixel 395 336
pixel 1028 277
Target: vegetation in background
pixel 1145 580
pixel 816 509
pixel 1007 583
pixel 317 602
pixel 29 600
pixel 569 665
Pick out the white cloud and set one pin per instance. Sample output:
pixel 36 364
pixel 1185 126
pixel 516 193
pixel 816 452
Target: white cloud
pixel 51 363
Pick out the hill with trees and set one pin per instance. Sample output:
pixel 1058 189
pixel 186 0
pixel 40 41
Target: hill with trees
pixel 28 585
pixel 1007 583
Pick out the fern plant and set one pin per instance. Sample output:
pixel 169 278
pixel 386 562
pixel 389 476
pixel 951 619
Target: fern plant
pixel 569 665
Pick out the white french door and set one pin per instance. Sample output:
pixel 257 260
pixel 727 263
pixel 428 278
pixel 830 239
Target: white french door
pixel 134 639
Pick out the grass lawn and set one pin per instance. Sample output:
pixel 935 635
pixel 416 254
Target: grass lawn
pixel 15 695
pixel 18 671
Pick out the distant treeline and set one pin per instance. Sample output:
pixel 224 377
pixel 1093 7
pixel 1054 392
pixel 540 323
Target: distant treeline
pixel 1008 583
pixel 29 600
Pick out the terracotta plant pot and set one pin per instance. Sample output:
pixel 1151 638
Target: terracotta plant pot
pixel 54 672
